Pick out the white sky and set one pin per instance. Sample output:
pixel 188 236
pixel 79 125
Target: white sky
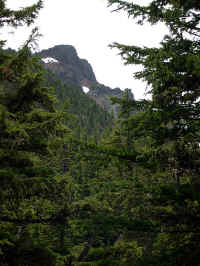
pixel 90 26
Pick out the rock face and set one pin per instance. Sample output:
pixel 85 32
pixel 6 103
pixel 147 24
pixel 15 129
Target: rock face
pixel 64 62
pixel 101 94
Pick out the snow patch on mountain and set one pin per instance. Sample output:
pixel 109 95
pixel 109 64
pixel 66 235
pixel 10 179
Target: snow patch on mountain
pixel 85 89
pixel 49 60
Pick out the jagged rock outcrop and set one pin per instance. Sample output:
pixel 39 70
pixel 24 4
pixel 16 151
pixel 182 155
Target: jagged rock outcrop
pixel 102 94
pixel 65 63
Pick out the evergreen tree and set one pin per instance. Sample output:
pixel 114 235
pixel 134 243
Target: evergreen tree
pixel 169 127
pixel 31 132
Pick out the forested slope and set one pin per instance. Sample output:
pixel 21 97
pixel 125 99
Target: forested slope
pixel 129 198
pixel 89 119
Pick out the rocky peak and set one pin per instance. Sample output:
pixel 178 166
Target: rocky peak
pixel 63 53
pixel 65 63
pixel 69 67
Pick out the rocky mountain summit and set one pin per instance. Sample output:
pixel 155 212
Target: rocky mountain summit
pixel 64 62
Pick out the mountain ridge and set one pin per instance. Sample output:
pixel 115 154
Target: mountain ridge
pixel 63 61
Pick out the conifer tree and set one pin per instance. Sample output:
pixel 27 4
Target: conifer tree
pixel 169 124
pixel 31 130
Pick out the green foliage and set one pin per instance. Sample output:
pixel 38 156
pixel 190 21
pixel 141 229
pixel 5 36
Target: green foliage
pixel 128 198
pixel 88 117
pixel 30 126
pixel 166 133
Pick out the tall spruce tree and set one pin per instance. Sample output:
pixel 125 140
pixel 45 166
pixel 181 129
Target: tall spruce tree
pixel 170 123
pixel 31 132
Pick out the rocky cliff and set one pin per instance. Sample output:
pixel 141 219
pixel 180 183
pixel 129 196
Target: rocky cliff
pixel 65 63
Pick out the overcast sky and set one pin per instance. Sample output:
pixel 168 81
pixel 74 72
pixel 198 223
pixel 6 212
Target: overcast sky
pixel 90 26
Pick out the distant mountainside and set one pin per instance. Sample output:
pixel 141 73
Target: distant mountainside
pixel 64 62
pixel 87 117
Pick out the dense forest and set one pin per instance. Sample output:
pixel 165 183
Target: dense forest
pixel 81 190
pixel 87 117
